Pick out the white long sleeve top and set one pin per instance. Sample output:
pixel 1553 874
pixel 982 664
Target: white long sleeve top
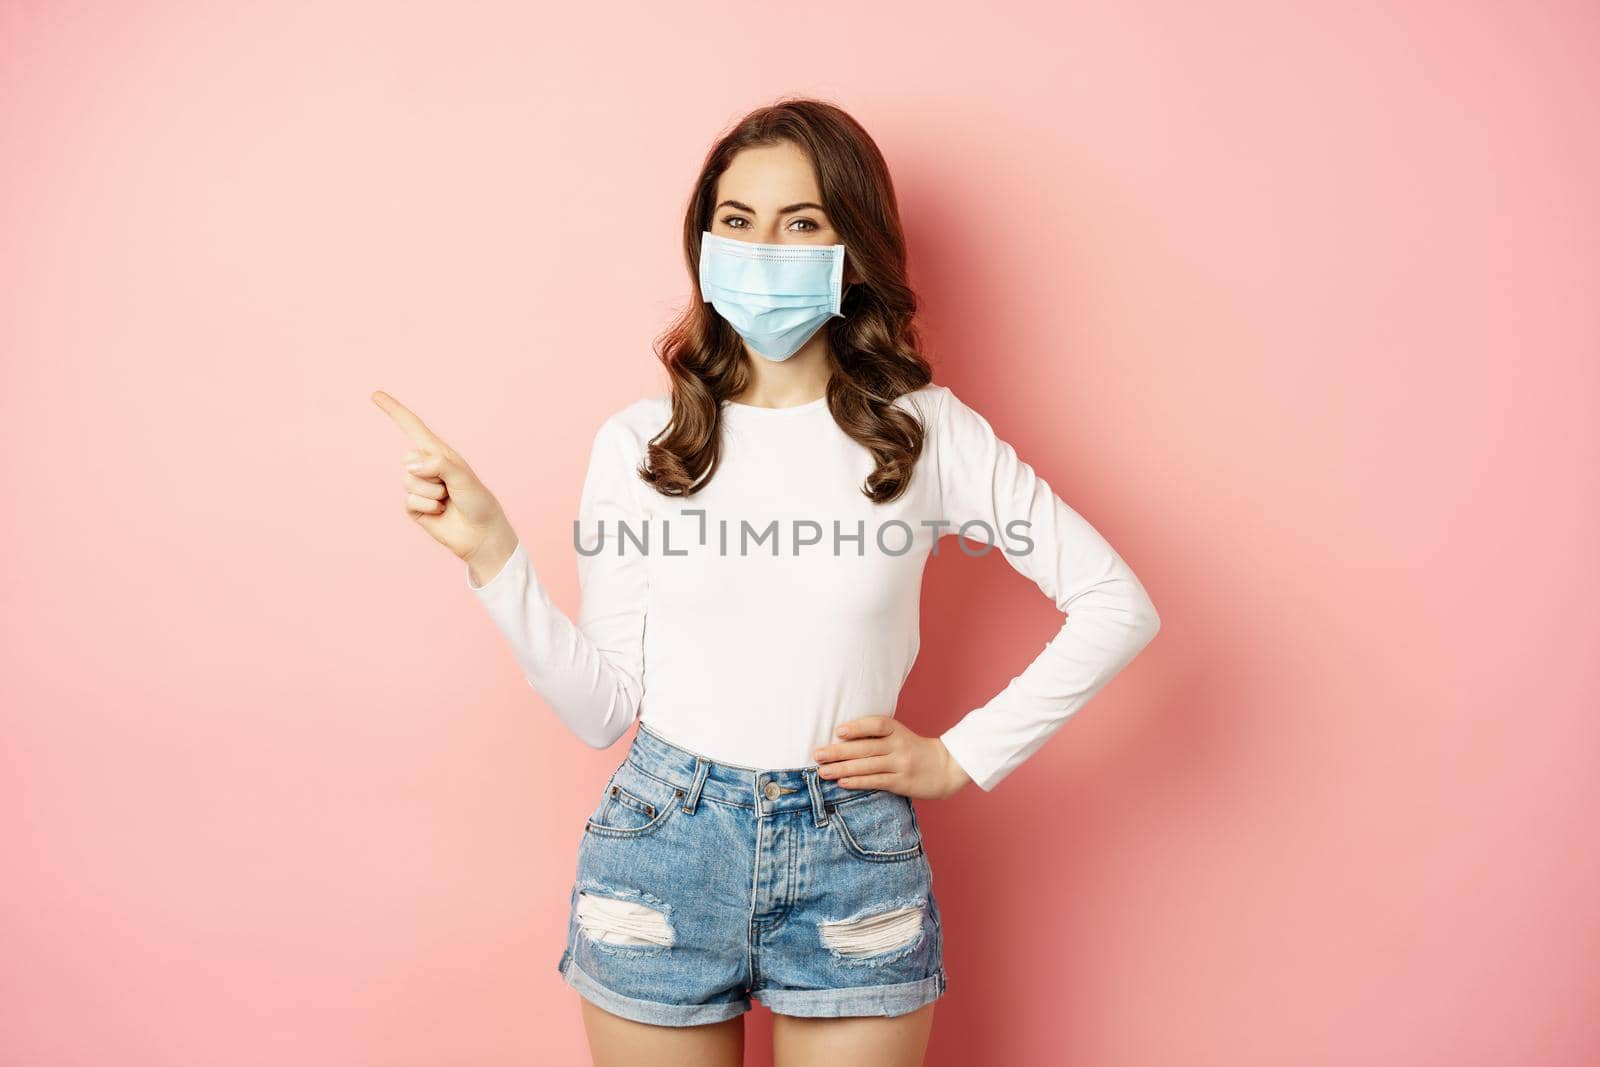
pixel 750 619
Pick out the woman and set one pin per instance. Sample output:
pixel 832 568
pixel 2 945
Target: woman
pixel 751 548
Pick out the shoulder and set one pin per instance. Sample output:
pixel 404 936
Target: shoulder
pixel 925 402
pixel 944 414
pixel 631 427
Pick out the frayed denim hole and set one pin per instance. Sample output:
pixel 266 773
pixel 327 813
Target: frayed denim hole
pixel 627 922
pixel 878 936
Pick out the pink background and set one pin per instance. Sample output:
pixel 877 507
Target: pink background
pixel 1295 302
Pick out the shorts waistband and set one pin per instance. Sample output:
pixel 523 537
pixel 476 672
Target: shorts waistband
pixel 768 790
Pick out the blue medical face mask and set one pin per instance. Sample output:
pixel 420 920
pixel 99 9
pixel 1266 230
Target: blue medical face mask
pixel 775 296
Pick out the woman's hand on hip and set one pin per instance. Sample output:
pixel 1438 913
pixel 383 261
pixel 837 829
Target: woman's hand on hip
pixel 880 752
pixel 447 499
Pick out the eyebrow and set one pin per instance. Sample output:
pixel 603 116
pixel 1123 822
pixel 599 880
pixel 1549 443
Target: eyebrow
pixel 782 210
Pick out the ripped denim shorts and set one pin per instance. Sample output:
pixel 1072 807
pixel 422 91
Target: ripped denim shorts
pixel 701 885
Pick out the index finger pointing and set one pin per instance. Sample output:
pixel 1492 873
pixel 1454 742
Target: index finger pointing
pixel 406 420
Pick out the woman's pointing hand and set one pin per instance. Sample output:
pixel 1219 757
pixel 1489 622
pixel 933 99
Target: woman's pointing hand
pixel 447 499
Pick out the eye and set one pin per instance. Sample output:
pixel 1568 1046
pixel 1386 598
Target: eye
pixel 814 227
pixel 731 219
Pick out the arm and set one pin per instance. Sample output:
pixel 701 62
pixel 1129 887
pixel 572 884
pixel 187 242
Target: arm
pixel 1110 618
pixel 590 673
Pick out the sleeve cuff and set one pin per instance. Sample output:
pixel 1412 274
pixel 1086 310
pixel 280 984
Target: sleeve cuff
pixel 518 558
pixel 984 777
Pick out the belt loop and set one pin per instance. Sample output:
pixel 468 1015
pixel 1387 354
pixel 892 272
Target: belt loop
pixel 819 810
pixel 701 769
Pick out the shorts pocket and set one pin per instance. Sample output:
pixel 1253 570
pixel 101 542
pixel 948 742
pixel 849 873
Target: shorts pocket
pixel 879 827
pixel 633 804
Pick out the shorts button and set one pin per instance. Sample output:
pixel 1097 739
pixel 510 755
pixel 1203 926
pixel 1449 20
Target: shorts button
pixel 771 790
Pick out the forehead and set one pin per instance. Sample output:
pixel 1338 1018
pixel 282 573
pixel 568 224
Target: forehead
pixel 769 176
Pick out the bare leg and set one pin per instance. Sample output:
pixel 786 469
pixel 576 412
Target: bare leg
pixel 618 1042
pixel 898 1041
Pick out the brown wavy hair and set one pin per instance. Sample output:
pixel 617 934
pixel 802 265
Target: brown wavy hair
pixel 875 355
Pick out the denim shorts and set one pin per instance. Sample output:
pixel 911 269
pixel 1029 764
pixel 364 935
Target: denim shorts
pixel 703 884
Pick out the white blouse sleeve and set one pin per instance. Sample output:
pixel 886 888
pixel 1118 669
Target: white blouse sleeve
pixel 1110 617
pixel 592 673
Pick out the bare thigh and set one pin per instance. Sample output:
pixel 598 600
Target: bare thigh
pixel 618 1042
pixel 897 1041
